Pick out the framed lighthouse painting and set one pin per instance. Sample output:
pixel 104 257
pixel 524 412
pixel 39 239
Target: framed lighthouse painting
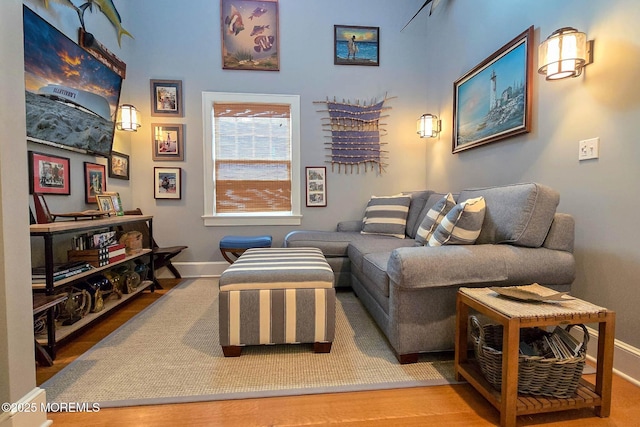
pixel 493 100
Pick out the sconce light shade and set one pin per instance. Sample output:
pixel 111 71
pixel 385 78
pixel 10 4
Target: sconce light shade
pixel 564 54
pixel 128 118
pixel 428 126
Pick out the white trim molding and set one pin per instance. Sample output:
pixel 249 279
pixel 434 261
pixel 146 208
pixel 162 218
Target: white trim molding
pixel 35 401
pixel 626 358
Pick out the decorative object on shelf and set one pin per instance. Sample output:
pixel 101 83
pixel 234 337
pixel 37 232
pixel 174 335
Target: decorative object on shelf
pixel 105 203
pixel 316 177
pixel 166 98
pixel 493 100
pixel 49 174
pixel 116 202
pixel 118 165
pixel 355 134
pixel 168 141
pixel 95 181
pixel 564 54
pixel 256 46
pixel 354 45
pixel 128 118
pixel 428 126
pixel 167 183
pixel 132 241
pixel 43 215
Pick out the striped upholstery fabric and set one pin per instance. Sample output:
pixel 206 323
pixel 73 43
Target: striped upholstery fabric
pixel 277 296
pixel 387 215
pixel 433 218
pixel 462 225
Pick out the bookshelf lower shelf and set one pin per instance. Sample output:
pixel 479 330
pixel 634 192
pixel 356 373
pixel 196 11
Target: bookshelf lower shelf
pixel 64 332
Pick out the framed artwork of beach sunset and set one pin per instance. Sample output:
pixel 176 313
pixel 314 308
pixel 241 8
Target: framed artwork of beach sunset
pixel 354 45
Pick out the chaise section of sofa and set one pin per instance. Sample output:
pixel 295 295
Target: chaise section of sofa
pixel 410 290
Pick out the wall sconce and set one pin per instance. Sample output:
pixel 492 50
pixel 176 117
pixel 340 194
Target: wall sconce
pixel 428 126
pixel 564 54
pixel 128 118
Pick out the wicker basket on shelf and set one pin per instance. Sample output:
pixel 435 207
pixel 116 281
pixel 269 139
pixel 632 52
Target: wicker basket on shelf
pixel 537 375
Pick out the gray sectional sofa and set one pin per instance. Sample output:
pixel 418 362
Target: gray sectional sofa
pixel 410 290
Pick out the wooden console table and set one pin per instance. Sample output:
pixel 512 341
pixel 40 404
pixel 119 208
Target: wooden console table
pixel 513 315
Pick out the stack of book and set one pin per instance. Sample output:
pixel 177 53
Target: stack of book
pixel 99 257
pixel 61 271
pixel 559 344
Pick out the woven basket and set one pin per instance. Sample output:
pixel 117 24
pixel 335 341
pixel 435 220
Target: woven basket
pixel 536 375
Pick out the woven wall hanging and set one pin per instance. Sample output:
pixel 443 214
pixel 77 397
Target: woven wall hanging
pixel 355 132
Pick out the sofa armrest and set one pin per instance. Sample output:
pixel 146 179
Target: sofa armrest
pixel 459 265
pixel 353 225
pixel 561 234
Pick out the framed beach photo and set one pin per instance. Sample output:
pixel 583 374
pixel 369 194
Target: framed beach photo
pixel 493 100
pixel 167 183
pixel 95 181
pixel 48 174
pixel 316 186
pixel 118 165
pixel 354 45
pixel 168 142
pixel 166 98
pixel 250 35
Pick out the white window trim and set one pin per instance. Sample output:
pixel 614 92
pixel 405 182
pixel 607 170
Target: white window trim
pixel 210 218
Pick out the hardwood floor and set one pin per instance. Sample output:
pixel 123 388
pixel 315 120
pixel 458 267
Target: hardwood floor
pixel 456 405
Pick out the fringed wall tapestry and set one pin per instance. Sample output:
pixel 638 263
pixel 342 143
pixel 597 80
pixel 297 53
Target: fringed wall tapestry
pixel 355 134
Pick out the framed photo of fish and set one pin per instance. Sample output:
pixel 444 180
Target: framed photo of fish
pixel 166 98
pixel 250 35
pixel 353 45
pixel 493 100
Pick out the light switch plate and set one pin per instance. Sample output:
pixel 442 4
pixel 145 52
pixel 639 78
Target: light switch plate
pixel 589 149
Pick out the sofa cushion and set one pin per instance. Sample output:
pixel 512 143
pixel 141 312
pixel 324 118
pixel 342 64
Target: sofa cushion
pixel 433 218
pixel 374 267
pixel 418 201
pixel 359 248
pixel 386 215
pixel 462 225
pixel 519 214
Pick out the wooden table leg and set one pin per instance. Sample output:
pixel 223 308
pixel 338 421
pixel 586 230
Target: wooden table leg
pixel 462 319
pixel 604 371
pixel 510 351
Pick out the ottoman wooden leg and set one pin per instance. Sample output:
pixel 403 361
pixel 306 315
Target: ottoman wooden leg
pixel 322 347
pixel 231 350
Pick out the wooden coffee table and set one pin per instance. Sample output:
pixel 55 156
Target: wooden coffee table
pixel 513 315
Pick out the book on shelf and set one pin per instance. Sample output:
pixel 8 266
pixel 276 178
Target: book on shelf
pixel 99 257
pixel 61 271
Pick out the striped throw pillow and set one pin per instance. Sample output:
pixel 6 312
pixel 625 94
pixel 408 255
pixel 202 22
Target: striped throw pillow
pixel 433 218
pixel 462 224
pixel 386 215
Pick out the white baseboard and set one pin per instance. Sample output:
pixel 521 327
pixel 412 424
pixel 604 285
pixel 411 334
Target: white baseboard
pixel 626 358
pixel 31 414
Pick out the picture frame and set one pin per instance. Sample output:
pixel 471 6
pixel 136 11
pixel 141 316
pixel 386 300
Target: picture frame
pixel 116 202
pixel 356 45
pixel 316 184
pixel 256 47
pixel 49 174
pixel 119 165
pixel 105 203
pixel 167 141
pixel 166 98
pixel 167 183
pixel 95 181
pixel 493 100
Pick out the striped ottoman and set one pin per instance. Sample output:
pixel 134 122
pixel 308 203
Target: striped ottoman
pixel 277 296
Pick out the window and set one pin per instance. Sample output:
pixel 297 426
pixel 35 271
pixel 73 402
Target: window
pixel 251 159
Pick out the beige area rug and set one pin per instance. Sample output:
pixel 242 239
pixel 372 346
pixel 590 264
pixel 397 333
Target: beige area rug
pixel 169 353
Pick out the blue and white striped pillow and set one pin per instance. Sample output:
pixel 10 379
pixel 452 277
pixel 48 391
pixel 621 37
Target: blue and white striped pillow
pixel 462 225
pixel 386 215
pixel 433 218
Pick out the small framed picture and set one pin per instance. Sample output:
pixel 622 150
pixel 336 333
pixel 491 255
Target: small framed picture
pixel 48 174
pixel 316 186
pixel 95 181
pixel 118 165
pixel 168 142
pixel 354 45
pixel 105 203
pixel 166 98
pixel 167 183
pixel 115 202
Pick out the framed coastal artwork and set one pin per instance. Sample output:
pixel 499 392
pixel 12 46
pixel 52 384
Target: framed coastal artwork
pixel 250 35
pixel 493 100
pixel 48 174
pixel 166 98
pixel 168 141
pixel 167 183
pixel 118 165
pixel 316 186
pixel 354 45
